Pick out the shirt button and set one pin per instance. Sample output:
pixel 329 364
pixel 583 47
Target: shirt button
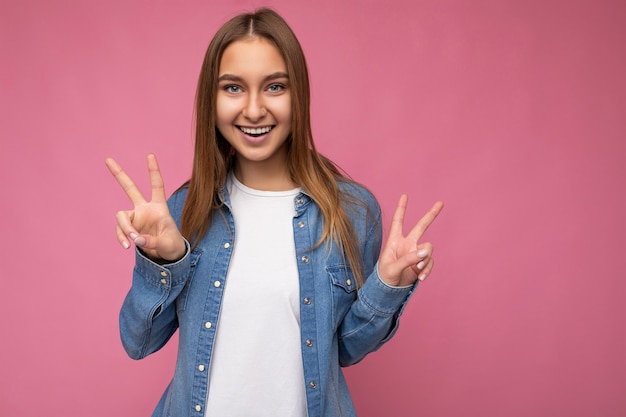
pixel 163 281
pixel 309 342
pixel 163 273
pixel 198 408
pixel 305 259
pixel 301 225
pixel 299 200
pixel 201 368
pixel 226 245
pixel 216 284
pixel 348 282
pixel 313 384
pixel 307 301
pixel 208 324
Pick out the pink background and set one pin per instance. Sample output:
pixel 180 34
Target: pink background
pixel 512 112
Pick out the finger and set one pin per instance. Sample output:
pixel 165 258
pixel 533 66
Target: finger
pixel 125 225
pixel 124 181
pixel 424 252
pixel 390 271
pixel 121 237
pixel 427 270
pixel 156 180
pixel 423 223
pixel 397 221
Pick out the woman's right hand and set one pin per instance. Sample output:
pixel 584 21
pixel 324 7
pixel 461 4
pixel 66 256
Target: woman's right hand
pixel 149 224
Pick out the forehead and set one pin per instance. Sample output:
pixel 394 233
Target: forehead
pixel 250 56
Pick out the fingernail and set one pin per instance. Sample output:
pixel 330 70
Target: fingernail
pixel 422 277
pixel 421 265
pixel 125 244
pixel 133 236
pixel 422 253
pixel 140 241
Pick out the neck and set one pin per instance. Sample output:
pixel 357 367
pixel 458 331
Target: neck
pixel 264 177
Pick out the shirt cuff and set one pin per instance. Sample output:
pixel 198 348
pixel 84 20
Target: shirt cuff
pixel 384 298
pixel 157 273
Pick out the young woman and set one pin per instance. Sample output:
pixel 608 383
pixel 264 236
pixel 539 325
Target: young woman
pixel 268 261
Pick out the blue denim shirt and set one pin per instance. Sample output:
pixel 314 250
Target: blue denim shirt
pixel 338 327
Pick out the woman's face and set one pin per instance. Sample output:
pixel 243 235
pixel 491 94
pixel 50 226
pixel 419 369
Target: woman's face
pixel 254 103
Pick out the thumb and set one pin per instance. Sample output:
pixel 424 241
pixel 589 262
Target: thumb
pixel 139 240
pixel 392 270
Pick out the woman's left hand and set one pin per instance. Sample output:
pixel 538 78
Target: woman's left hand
pixel 404 260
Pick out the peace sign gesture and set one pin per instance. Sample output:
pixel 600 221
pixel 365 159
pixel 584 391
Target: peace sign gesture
pixel 404 260
pixel 149 224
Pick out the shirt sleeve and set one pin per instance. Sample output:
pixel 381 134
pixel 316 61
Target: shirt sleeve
pixel 374 316
pixel 148 316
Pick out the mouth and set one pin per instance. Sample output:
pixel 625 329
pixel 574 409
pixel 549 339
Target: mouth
pixel 255 131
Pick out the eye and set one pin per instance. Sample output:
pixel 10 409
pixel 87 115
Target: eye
pixel 232 89
pixel 275 88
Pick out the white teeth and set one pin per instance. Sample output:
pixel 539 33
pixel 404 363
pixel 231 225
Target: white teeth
pixel 256 131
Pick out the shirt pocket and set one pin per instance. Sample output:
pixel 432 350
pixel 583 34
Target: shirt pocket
pixel 181 301
pixel 343 290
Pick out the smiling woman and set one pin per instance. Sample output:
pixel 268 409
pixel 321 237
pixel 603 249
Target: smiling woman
pixel 268 260
pixel 254 112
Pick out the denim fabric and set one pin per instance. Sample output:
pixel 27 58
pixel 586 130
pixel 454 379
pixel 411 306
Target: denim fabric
pixel 338 328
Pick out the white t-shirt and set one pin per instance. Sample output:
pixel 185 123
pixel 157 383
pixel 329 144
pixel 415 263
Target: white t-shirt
pixel 256 369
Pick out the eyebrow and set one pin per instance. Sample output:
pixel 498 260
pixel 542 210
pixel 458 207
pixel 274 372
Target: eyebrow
pixel 236 78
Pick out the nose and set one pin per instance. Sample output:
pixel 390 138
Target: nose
pixel 254 108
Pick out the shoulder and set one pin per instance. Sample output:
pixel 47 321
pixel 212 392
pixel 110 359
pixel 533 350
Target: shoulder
pixel 177 201
pixel 365 215
pixel 353 193
pixel 360 205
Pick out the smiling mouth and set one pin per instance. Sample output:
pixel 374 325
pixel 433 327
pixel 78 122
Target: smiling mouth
pixel 255 131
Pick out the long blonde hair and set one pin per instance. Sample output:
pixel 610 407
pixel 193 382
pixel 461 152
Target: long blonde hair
pixel 213 155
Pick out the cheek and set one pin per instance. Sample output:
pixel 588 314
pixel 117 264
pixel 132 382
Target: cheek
pixel 284 110
pixel 226 111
